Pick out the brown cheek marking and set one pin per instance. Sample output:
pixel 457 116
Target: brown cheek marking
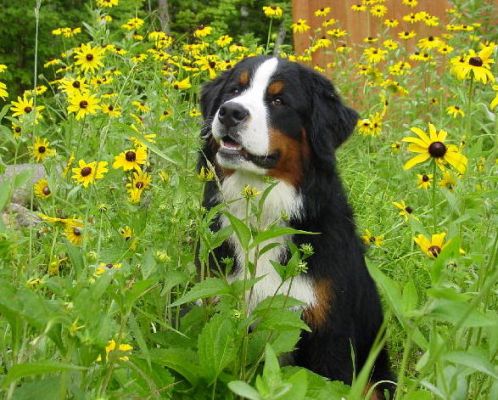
pixel 316 316
pixel 293 157
pixel 244 78
pixel 276 88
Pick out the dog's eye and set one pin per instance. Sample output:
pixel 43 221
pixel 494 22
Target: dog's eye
pixel 277 101
pixel 235 90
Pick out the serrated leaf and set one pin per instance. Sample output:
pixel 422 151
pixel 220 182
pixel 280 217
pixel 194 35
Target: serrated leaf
pixel 241 230
pixel 281 319
pixel 275 232
pixel 216 348
pixel 409 297
pixel 181 360
pixel 207 288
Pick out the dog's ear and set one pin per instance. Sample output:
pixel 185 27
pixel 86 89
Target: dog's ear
pixel 211 94
pixel 331 121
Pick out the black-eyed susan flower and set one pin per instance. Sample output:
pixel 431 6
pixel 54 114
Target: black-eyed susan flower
pixel 274 12
pixel 322 12
pixel 111 110
pixel 431 247
pixel 405 35
pixel 475 65
pixel 404 210
pixel 195 113
pixel 25 106
pixel 87 173
pixel 390 44
pixel 203 31
pixel 88 58
pixel 391 23
pixel 41 149
pixel 133 24
pixel 374 55
pixel 300 26
pixel 131 159
pixel 41 189
pixel 3 68
pixel 83 104
pixel 494 102
pixel 424 181
pixel 73 230
pixel 432 146
pixel 140 106
pixel 329 22
pixel 378 10
pixel 16 130
pixel 430 42
pixel 455 111
pixel 126 232
pixel 370 239
pixel 410 3
pixel 107 3
pixel 224 41
pixel 448 181
pixel 182 85
pixel 359 7
pixel 107 267
pixel 337 33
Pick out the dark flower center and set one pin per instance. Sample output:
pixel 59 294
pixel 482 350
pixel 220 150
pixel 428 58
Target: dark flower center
pixel 139 185
pixel 425 178
pixel 86 171
pixel 46 191
pixel 430 38
pixel 434 250
pixel 475 61
pixel 89 57
pixel 437 149
pixel 212 64
pixel 42 149
pixel 83 104
pixel 27 109
pixel 77 231
pixel 109 266
pixel 110 108
pixel 372 239
pixel 408 209
pixel 130 156
pixel 76 84
pixel 457 108
pixel 18 129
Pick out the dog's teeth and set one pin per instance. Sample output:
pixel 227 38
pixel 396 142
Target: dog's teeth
pixel 231 146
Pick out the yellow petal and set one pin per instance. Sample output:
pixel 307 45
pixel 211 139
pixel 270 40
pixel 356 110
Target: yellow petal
pixel 416 160
pixel 415 140
pixel 421 134
pixel 438 239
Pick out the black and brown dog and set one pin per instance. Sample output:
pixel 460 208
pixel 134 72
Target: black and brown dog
pixel 271 117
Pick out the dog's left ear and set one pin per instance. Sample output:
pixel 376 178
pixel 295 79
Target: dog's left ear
pixel 211 94
pixel 331 121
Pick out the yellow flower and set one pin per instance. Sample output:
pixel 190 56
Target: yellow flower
pixel 404 210
pixel 83 104
pixel 111 110
pixel 183 84
pixel 433 146
pixel 391 23
pixel 87 174
pixel 73 85
pixel 3 68
pixel 103 267
pixel 3 91
pixel 140 106
pixel 203 31
pixel 206 174
pixel 195 113
pixel 432 247
pixel 133 24
pixel 378 10
pixel 424 181
pixel 410 3
pixel 126 232
pixel 139 180
pixel 300 26
pixel 448 181
pixel 274 12
pixel 25 106
pixel 371 240
pixel 73 231
pixel 107 3
pixel 131 159
pixel 358 7
pixel 407 35
pixel 322 12
pixel 475 65
pixel 41 149
pixel 42 189
pixel 455 111
pixel 494 102
pixel 224 41
pixel 430 42
pixel 337 32
pixel 390 44
pixel 374 55
pixel 89 58
pixel 120 349
pixel 249 192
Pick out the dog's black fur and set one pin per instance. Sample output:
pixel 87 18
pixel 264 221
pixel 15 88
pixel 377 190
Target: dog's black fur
pixel 353 314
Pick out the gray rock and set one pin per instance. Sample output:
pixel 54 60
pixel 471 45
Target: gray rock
pixel 22 194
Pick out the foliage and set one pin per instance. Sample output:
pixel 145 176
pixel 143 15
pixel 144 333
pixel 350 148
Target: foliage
pixel 100 297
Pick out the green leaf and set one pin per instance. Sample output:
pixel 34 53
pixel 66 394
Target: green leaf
pixel 277 231
pixel 282 319
pixel 207 288
pixel 4 194
pixel 37 368
pixel 181 360
pixel 474 361
pixel 216 348
pixel 241 230
pixel 244 390
pixel 409 297
pixel 299 388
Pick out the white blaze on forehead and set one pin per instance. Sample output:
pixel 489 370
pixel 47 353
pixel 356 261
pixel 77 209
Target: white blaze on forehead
pixel 255 134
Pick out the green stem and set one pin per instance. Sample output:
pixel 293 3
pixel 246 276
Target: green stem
pixel 269 35
pixel 433 201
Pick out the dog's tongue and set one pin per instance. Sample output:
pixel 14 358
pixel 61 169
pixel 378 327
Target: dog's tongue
pixel 231 144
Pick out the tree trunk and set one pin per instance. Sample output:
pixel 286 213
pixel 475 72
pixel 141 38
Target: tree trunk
pixel 163 14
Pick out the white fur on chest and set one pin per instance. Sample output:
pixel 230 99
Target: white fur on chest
pixel 282 199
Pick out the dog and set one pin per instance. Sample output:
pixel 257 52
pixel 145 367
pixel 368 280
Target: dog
pixel 269 117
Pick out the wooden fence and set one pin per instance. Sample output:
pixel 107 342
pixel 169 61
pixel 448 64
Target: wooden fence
pixel 360 25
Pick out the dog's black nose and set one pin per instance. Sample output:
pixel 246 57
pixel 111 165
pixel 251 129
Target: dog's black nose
pixel 231 114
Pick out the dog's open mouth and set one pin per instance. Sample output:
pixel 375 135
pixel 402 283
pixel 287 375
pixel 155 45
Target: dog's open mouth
pixel 232 150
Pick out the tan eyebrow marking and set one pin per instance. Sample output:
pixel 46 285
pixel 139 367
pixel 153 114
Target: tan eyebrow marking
pixel 276 88
pixel 244 78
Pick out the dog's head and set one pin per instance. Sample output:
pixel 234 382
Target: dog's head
pixel 269 116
